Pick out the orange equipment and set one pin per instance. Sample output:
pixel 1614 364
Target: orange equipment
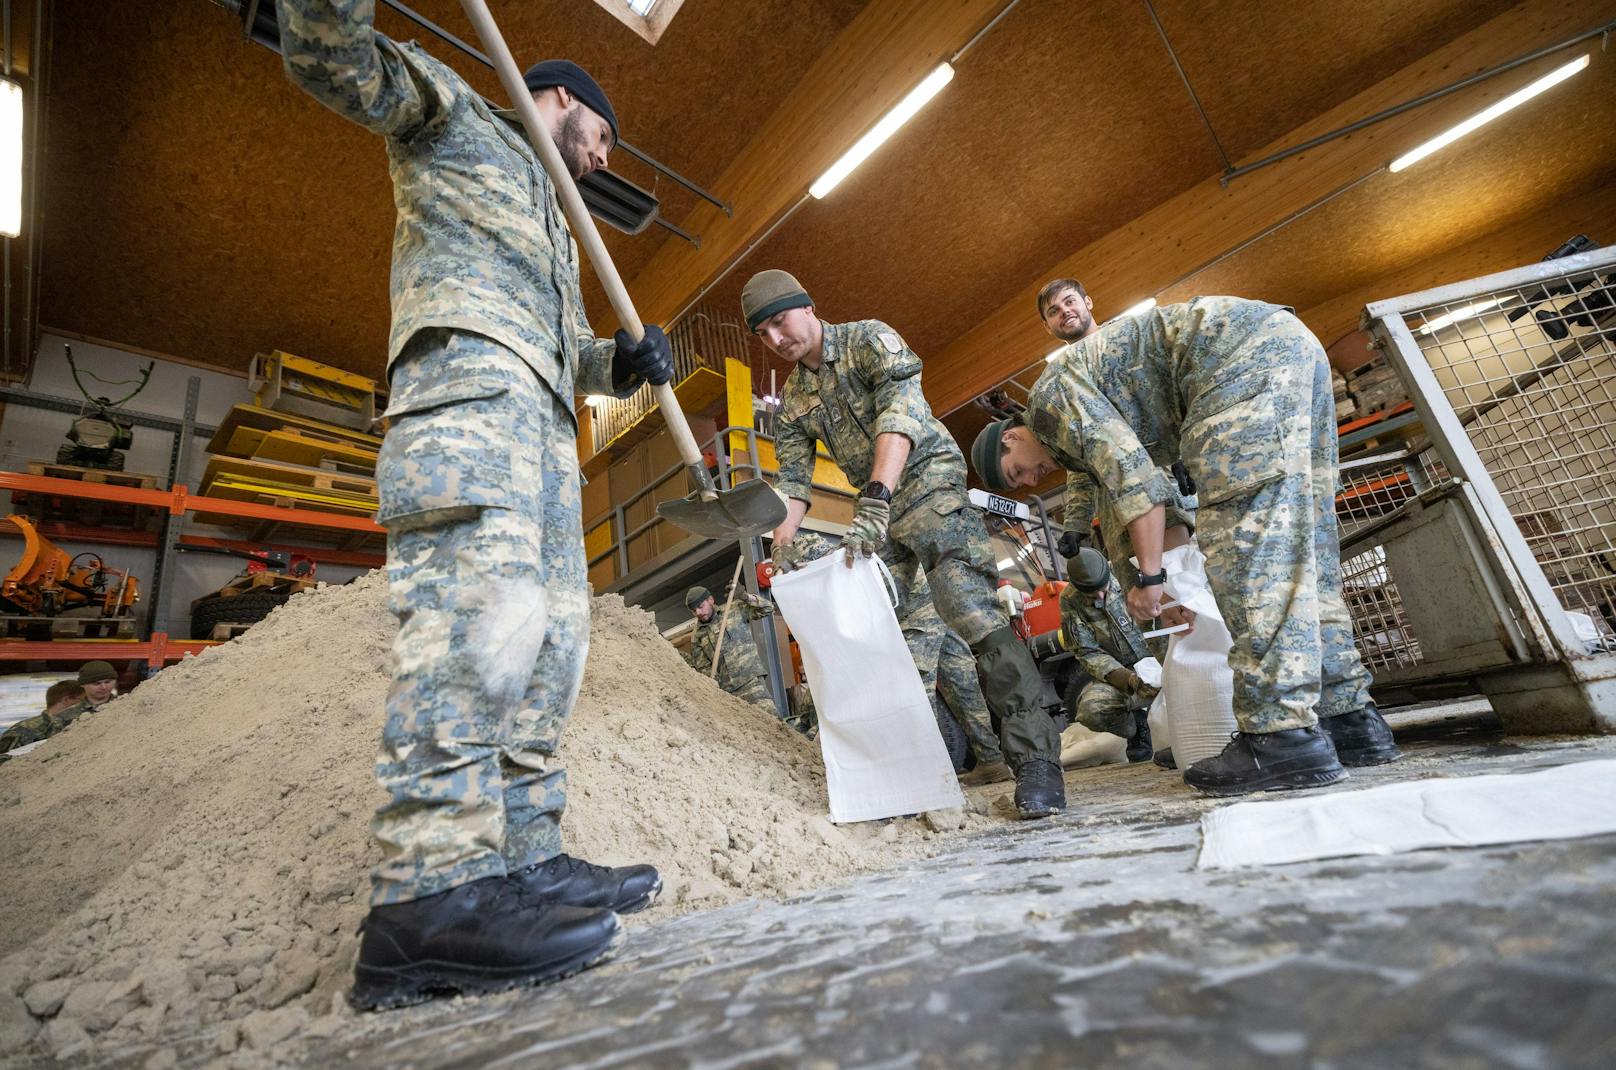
pixel 48 581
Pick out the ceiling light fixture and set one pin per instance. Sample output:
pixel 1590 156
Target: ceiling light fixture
pixel 595 401
pixel 1142 307
pixel 1008 562
pixel 1487 115
pixel 1049 358
pixel 1468 312
pixel 889 124
pixel 10 158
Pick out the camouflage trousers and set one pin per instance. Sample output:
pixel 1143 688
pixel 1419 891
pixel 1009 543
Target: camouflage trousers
pixel 1266 468
pixel 480 495
pixel 754 689
pixel 1103 708
pixel 961 689
pixel 945 537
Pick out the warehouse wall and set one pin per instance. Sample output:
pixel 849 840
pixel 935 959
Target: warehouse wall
pixel 32 434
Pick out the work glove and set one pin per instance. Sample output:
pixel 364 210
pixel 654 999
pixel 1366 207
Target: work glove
pixel 787 556
pixel 650 358
pixel 868 531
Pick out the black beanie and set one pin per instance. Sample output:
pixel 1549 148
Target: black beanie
pixel 576 80
pixel 986 451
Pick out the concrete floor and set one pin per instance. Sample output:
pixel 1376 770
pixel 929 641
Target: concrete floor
pixel 1092 940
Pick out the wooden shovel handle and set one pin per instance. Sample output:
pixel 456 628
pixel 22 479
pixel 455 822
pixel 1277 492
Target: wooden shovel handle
pixel 583 224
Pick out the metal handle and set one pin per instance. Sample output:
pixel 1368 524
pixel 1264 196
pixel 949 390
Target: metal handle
pixel 583 224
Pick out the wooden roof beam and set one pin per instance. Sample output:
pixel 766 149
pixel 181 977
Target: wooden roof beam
pixel 1208 221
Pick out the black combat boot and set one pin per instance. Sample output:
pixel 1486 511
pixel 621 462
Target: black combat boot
pixel 1164 758
pixel 485 936
pixel 1139 749
pixel 1040 790
pixel 577 883
pixel 1268 761
pixel 1361 737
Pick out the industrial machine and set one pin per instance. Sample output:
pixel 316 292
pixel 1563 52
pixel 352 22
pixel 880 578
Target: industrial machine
pixel 98 436
pixel 268 580
pixel 49 586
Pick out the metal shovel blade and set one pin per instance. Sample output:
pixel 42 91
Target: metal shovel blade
pixel 750 509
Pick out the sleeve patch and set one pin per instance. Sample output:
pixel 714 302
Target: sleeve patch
pixel 890 342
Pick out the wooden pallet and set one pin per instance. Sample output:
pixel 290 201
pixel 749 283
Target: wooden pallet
pixel 295 479
pixel 87 511
pixel 37 628
pixel 308 449
pixel 223 632
pixel 138 480
pixel 253 416
pixel 264 581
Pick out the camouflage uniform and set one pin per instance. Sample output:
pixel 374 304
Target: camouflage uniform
pixel 39 727
pixel 1241 391
pixel 1103 639
pixel 961 689
pixel 478 476
pixel 741 671
pixel 1086 501
pixel 869 385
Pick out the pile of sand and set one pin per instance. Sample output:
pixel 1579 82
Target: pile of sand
pixel 193 859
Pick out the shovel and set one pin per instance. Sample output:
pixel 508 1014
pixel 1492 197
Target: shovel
pixel 750 509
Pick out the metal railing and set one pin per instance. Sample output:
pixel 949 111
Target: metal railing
pixel 702 339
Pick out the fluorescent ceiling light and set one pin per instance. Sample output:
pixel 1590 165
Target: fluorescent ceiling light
pixel 10 158
pixel 1053 353
pixel 889 124
pixel 641 7
pixel 1144 306
pixel 1466 313
pixel 595 401
pixel 1006 563
pixel 1482 118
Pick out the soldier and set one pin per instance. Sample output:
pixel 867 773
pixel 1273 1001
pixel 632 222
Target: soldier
pixel 1067 312
pixel 856 388
pixel 1241 390
pixel 479 492
pixel 1107 645
pixel 65 702
pixel 741 671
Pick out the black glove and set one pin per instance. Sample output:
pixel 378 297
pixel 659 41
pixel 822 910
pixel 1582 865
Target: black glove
pixel 650 358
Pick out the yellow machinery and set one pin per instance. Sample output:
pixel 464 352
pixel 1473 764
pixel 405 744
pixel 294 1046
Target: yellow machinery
pixel 47 581
pixel 283 380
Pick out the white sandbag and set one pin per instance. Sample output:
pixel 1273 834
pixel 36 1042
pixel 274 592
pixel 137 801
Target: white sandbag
pixel 883 754
pixel 1084 748
pixel 1197 683
pixel 1161 730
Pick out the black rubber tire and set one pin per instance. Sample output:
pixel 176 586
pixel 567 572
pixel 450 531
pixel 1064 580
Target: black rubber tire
pixel 249 608
pixel 959 748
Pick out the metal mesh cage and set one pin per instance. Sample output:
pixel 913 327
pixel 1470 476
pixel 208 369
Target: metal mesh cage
pixel 1530 371
pixel 1379 626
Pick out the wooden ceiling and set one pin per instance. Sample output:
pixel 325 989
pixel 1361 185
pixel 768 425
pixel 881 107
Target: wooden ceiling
pixel 198 205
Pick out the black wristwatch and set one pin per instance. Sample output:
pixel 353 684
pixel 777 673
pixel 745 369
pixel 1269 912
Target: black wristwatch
pixel 877 490
pixel 1142 580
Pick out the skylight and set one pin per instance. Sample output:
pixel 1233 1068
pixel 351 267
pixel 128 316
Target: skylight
pixel 648 18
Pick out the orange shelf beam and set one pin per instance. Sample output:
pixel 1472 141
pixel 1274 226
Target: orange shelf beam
pixel 158 651
pixel 179 501
pixel 59 531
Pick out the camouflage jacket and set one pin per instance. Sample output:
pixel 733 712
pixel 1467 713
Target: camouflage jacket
pixel 1126 402
pixel 480 244
pixel 42 725
pixel 868 385
pixel 1085 501
pixel 1103 638
pixel 741 660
